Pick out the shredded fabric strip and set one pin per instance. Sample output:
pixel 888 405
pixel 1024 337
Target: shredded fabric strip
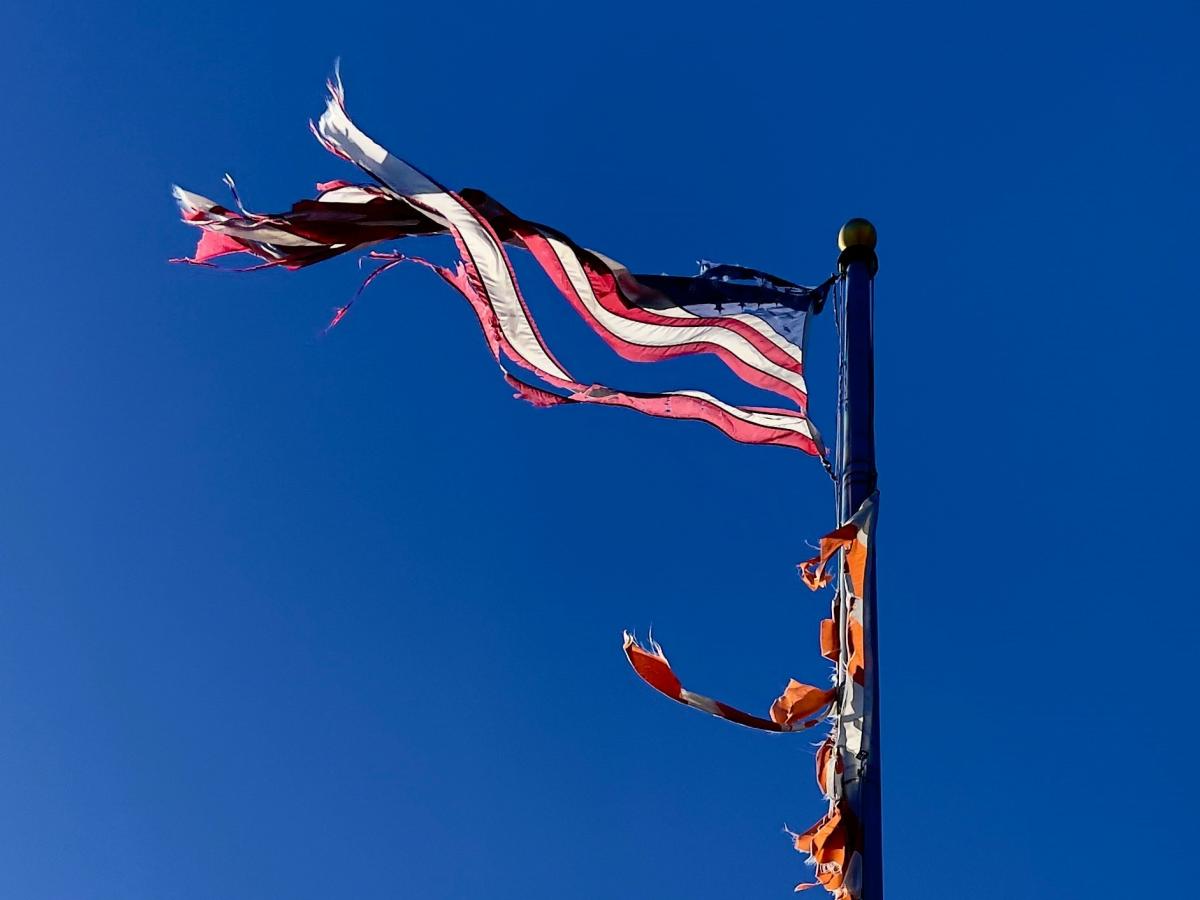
pixel 831 845
pixel 799 707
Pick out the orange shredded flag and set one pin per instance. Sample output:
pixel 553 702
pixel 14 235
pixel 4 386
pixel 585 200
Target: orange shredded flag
pixel 829 846
pixel 799 702
pixel 825 756
pixel 829 639
pixel 800 706
pixel 833 843
pixel 813 570
pixel 851 537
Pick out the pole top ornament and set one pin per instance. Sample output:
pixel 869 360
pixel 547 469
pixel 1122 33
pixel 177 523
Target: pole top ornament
pixel 857 240
pixel 857 233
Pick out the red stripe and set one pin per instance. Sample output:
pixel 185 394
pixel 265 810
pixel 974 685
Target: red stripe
pixel 697 409
pixel 654 670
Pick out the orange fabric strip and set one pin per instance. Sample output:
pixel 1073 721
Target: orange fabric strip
pixel 829 640
pixel 813 570
pixel 828 846
pixel 800 701
pixel 800 706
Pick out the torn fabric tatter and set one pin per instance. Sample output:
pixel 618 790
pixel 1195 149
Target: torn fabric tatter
pixel 753 322
pixel 799 707
pixel 831 847
pixel 851 537
pixel 832 843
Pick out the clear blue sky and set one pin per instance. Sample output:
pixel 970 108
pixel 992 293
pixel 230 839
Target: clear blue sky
pixel 299 617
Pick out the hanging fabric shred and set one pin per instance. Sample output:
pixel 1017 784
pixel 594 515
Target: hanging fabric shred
pixel 752 321
pixel 851 537
pixel 799 707
pixel 831 844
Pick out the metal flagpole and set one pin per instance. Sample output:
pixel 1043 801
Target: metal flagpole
pixel 856 482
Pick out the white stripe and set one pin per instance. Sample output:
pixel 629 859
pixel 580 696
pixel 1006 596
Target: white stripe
pixel 786 422
pixel 485 251
pixel 700 702
pixel 864 518
pixel 645 334
pixel 335 126
pixel 350 194
pixel 190 202
pixel 492 266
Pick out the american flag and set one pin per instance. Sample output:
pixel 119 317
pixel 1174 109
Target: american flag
pixel 753 322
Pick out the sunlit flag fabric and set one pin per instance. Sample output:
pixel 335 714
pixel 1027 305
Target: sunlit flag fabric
pixel 753 322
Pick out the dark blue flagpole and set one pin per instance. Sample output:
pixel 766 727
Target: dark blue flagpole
pixel 856 482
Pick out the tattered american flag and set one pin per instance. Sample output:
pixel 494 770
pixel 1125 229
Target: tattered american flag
pixel 753 322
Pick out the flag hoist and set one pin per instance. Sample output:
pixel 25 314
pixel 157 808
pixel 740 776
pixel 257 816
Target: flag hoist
pixel 753 322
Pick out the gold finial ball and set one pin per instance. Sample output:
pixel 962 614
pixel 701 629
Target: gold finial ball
pixel 857 233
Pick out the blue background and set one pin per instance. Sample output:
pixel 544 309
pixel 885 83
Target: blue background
pixel 284 615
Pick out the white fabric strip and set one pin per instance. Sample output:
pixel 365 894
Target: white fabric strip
pixel 485 251
pixel 351 193
pixel 786 421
